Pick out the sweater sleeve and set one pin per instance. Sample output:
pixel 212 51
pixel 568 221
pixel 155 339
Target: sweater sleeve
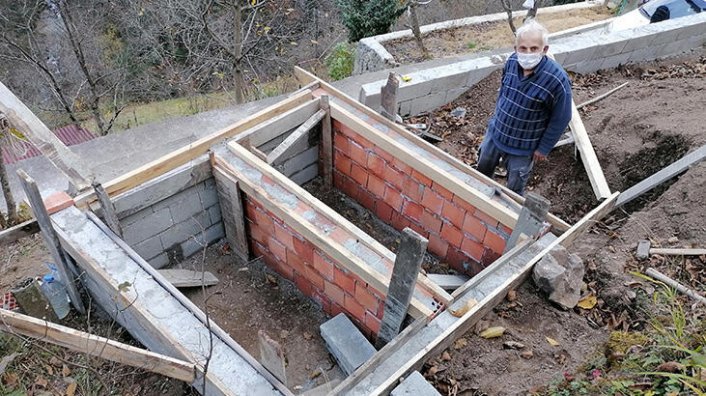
pixel 559 120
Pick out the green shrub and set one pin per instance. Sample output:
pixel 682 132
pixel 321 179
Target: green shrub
pixel 340 61
pixel 365 18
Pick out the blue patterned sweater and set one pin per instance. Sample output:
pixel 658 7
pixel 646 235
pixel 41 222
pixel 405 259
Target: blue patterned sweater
pixel 531 112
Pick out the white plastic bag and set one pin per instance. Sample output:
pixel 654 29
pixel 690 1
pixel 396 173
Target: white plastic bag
pixel 528 4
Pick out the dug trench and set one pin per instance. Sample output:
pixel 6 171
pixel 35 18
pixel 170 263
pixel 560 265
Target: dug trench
pixel 636 132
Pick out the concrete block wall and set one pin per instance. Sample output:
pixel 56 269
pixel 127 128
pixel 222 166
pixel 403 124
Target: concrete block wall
pixel 466 238
pixel 172 216
pixel 316 274
pixel 430 88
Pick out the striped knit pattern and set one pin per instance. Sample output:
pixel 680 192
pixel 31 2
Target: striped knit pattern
pixel 531 112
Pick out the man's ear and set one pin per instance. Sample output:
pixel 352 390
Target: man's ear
pixel 546 49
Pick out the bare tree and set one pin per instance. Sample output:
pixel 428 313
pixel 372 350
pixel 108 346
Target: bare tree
pixel 12 216
pixel 532 12
pixel 508 10
pixel 413 4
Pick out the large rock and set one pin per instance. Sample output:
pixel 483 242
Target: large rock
pixel 560 275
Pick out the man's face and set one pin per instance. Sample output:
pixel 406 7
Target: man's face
pixel 530 43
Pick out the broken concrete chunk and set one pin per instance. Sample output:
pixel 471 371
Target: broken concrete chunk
pixel 415 384
pixel 560 275
pixel 346 343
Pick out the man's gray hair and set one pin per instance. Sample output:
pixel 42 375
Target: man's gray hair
pixel 531 25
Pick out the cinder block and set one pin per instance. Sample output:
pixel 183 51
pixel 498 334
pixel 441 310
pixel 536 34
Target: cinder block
pixel 346 343
pixel 214 212
pixel 180 232
pixel 615 60
pixel 198 242
pixel 149 248
pixel 159 261
pixel 147 226
pixel 209 194
pixel 416 385
pixel 182 205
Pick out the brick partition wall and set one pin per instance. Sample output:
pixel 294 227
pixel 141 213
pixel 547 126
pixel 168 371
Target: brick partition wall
pixel 316 274
pixel 460 234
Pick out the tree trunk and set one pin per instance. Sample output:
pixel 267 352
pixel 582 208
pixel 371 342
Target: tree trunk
pixel 415 29
pixel 507 8
pixel 238 52
pixel 532 13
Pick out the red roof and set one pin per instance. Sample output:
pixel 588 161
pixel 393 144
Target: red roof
pixel 14 150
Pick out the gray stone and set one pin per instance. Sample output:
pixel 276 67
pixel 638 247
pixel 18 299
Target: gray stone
pixel 346 343
pixel 560 275
pixel 416 385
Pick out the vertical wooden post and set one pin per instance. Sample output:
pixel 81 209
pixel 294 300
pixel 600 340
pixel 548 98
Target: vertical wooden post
pixel 50 238
pixel 404 277
pixel 233 213
pixel 272 356
pixel 388 97
pixel 531 219
pixel 111 218
pixel 326 142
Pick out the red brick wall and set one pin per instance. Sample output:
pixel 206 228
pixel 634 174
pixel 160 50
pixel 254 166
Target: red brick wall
pixel 316 274
pixel 458 233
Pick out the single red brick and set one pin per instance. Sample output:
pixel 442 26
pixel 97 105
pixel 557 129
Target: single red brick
pixel 474 268
pixel 394 177
pixel 419 230
pixel 461 203
pixel 437 245
pixel 432 201
pixel 264 222
pixel 365 143
pixel 284 235
pixel 489 257
pixel 402 166
pixel 507 230
pixel 431 222
pixel 334 292
pixel 285 270
pixel 474 227
pixel 364 297
pixel 393 198
pixel 399 222
pixel 412 210
pixel 457 259
pixel 376 186
pixel 482 216
pixel 305 250
pixel 256 233
pixel 353 307
pixel 358 154
pixel 342 279
pixel 494 242
pixel 383 211
pixel 341 142
pixel 349 187
pixel 453 214
pixel 422 178
pixel 384 154
pixel 359 174
pixel 366 199
pixel 413 189
pixel 313 276
pixel 277 249
pixel 345 130
pixel 342 163
pixel 303 284
pixel 376 165
pixel 448 195
pixel 473 249
pixel 335 309
pixel 250 209
pixel 372 322
pixel 257 248
pixel 451 234
pixel 324 266
pixel 296 262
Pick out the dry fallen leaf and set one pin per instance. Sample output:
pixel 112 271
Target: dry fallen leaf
pixel 460 343
pixel 41 381
pixel 307 335
pixel 464 308
pixel 512 295
pixel 493 332
pixel 526 354
pixel 71 389
pixel 445 356
pixel 588 302
pixel 65 371
pixel 552 341
pixel 670 367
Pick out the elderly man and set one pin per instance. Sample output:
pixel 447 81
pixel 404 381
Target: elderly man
pixel 532 111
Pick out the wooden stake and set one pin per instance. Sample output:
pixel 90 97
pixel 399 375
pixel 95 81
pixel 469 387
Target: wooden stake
pixel 232 211
pixel 298 135
pixel 51 239
pixel 111 218
pixel 601 97
pixel 326 143
pixel 678 286
pixel 272 356
pixel 388 96
pixel 79 341
pixel 531 219
pixel 402 283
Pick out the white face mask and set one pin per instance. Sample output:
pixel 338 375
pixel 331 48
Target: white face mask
pixel 529 61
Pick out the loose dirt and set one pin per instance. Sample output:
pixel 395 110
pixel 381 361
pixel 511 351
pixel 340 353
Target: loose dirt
pixel 486 36
pixel 642 128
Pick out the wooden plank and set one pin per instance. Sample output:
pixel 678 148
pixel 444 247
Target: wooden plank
pixel 188 278
pixel 189 305
pixel 22 118
pixel 272 356
pixel 388 96
pixel 265 131
pixel 310 200
pixel 465 323
pixel 50 239
pixel 232 211
pixel 199 147
pixel 111 218
pixel 326 143
pixel 259 154
pixel 21 230
pixel 302 132
pixel 678 252
pixel 588 155
pixel 681 165
pixel 338 252
pixel 104 348
pixel 306 77
pixel 402 282
pixel 481 201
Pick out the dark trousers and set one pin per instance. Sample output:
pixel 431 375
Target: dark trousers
pixel 519 168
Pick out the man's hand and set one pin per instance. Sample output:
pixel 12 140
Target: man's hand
pixel 538 157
